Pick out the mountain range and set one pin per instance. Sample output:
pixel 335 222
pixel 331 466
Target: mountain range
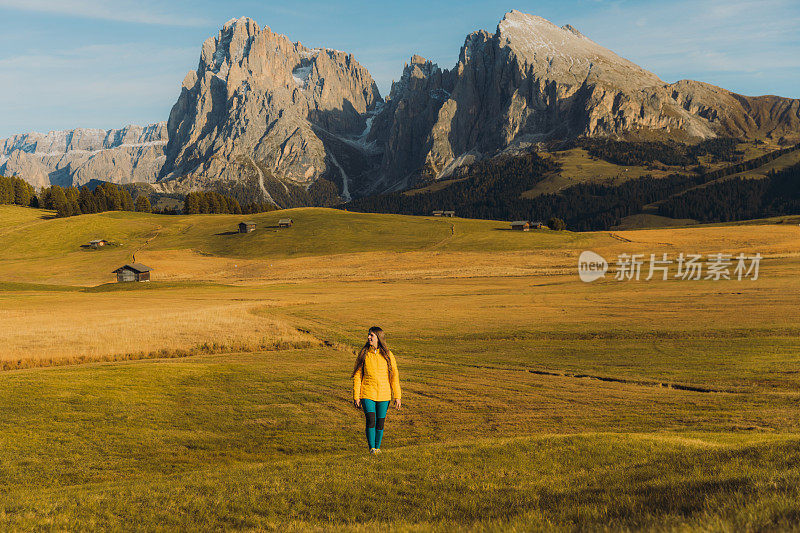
pixel 265 118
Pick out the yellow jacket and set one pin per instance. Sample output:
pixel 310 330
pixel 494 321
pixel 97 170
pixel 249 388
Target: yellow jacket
pixel 372 380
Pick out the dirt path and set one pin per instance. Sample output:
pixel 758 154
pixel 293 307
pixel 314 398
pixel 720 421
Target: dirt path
pixel 148 241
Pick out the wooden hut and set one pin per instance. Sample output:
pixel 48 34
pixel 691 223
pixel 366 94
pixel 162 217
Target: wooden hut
pixel 521 225
pixel 537 225
pixel 285 223
pixel 133 272
pixel 246 227
pixel 438 213
pixel 450 214
pixel 97 243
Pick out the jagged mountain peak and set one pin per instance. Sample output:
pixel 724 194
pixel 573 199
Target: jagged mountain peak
pixel 564 52
pixel 261 105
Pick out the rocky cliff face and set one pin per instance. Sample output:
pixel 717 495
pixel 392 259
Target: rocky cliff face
pixel 262 107
pixel 531 81
pixel 266 117
pixel 74 157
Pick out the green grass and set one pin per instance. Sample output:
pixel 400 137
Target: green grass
pixel 269 441
pixel 148 286
pixel 319 231
pixel 316 231
pixel 9 286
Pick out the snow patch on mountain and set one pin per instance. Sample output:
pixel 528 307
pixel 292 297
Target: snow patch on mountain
pixel 301 75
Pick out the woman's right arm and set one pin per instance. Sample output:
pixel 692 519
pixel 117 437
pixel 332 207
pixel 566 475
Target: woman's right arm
pixel 357 387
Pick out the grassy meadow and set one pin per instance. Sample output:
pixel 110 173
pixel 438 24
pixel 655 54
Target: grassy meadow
pixel 218 395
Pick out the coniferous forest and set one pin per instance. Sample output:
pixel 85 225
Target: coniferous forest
pixel 71 201
pixel 17 191
pixel 739 199
pixel 491 189
pixel 668 153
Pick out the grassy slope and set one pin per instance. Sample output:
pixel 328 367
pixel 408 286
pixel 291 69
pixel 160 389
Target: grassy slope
pixel 50 251
pixel 268 441
pixel 505 424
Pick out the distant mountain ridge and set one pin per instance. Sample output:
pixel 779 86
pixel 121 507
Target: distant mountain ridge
pixel 264 117
pixel 75 157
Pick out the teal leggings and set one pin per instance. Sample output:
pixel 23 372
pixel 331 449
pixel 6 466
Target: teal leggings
pixel 376 414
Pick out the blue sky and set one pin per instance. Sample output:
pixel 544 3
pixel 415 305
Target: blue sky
pixel 83 63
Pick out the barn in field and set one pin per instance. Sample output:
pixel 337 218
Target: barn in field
pixel 521 225
pixel 285 223
pixel 97 243
pixel 246 227
pixel 133 272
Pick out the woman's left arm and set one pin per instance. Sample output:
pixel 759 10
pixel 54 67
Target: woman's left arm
pixel 395 384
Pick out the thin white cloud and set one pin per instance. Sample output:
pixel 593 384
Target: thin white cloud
pixel 118 10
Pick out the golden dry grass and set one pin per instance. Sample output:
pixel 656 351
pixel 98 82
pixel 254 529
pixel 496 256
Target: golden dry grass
pixel 441 288
pixel 771 241
pixel 531 400
pixel 56 328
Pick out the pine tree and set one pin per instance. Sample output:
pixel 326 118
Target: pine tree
pixel 22 192
pixel 87 201
pixel 191 205
pixel 127 201
pixel 143 204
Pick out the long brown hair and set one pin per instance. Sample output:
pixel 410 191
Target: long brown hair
pixel 382 348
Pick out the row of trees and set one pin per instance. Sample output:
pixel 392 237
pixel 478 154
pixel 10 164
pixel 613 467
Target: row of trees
pixel 669 153
pixel 210 202
pixel 17 191
pixel 70 201
pixel 214 202
pixel 739 199
pixel 750 164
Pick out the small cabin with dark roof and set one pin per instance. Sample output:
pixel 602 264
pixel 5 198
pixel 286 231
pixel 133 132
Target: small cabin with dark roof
pixel 285 223
pixel 448 213
pixel 438 213
pixel 133 272
pixel 246 227
pixel 521 225
pixel 97 243
pixel 537 225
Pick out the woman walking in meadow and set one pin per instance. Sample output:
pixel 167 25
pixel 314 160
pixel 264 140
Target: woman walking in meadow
pixel 376 381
